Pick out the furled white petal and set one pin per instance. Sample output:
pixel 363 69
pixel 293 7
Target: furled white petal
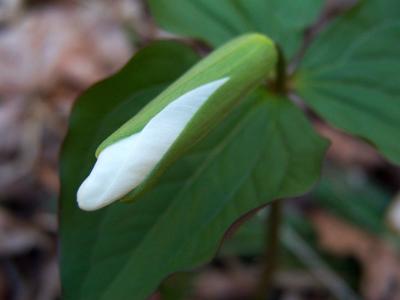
pixel 123 165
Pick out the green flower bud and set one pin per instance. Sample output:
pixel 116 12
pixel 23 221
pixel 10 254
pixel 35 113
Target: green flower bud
pixel 133 157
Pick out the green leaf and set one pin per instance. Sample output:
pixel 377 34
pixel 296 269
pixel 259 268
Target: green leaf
pixel 350 75
pixel 218 21
pixel 97 113
pixel 344 31
pixel 266 149
pixel 248 239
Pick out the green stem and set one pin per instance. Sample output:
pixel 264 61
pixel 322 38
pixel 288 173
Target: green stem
pixel 281 72
pixel 279 84
pixel 274 220
pixel 271 255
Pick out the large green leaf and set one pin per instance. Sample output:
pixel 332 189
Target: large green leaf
pixel 266 149
pixel 350 75
pixel 218 21
pixel 263 151
pixel 97 113
pixel 344 31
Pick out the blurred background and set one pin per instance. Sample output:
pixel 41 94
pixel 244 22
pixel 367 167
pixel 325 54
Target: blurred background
pixel 341 241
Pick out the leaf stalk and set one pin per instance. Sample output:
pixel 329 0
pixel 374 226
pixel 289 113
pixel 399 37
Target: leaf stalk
pixel 271 255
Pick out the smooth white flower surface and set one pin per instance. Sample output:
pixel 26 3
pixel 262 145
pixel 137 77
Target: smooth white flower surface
pixel 124 165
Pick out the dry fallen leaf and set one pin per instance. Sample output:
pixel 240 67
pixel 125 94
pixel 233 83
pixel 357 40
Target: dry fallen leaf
pixel 380 262
pixel 234 284
pixel 9 10
pixel 18 237
pixel 349 151
pixel 47 57
pixel 60 43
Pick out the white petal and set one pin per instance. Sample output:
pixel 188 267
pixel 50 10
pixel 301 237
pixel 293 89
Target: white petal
pixel 125 164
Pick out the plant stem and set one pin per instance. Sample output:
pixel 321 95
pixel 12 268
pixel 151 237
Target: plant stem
pixel 281 72
pixel 274 220
pixel 271 255
pixel 279 84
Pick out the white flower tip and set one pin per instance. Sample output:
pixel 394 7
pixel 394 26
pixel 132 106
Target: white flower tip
pixel 87 197
pixel 107 181
pixel 124 165
pixel 86 202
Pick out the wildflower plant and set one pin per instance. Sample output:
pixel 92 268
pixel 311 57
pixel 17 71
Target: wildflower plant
pixel 163 157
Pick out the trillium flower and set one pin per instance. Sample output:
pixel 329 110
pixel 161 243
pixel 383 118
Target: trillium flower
pixel 132 157
pixel 124 165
